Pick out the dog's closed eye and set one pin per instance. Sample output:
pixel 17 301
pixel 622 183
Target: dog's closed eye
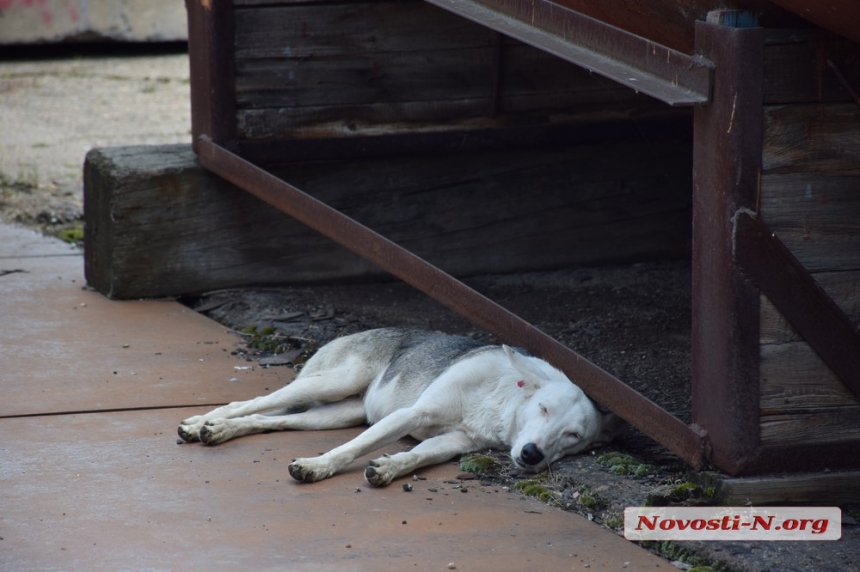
pixel 572 435
pixel 543 410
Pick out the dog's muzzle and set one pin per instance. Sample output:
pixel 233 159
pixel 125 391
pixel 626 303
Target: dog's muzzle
pixel 530 455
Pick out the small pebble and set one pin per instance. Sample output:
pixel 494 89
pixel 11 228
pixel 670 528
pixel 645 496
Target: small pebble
pixel 407 487
pixel 452 566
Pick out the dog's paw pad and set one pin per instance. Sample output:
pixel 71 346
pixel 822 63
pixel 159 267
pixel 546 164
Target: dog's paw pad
pixel 189 433
pixel 216 432
pixel 304 470
pixel 377 476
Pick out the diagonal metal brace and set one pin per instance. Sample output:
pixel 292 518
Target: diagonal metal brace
pixel 687 442
pixel 769 264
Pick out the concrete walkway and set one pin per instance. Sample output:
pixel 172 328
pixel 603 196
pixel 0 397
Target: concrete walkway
pixel 92 478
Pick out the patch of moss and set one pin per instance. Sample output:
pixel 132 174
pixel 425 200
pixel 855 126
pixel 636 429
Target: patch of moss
pixel 267 339
pixel 539 491
pixel 622 464
pixel 72 235
pixel 686 494
pixel 541 488
pixel 590 500
pixel 614 521
pixel 479 464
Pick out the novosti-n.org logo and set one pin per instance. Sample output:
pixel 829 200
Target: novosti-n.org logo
pixel 727 523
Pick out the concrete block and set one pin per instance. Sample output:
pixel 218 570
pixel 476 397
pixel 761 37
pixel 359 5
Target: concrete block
pixel 28 22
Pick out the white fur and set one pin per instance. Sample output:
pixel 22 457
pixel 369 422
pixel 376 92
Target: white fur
pixel 496 398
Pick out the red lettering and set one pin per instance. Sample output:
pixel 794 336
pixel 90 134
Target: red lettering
pixel 760 521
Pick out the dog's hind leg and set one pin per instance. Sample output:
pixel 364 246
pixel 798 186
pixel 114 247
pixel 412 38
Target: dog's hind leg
pixel 346 413
pixel 428 452
pixel 308 389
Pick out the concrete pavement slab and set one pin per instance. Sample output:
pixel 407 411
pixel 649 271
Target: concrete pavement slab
pixel 112 491
pixel 93 479
pixel 66 349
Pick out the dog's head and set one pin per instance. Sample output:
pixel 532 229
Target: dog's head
pixel 556 418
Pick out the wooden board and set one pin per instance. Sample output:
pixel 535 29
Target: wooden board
pixel 821 489
pixel 816 214
pixel 809 199
pixel 811 138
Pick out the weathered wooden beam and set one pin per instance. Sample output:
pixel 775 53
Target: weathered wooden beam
pixel 157 224
pixel 820 489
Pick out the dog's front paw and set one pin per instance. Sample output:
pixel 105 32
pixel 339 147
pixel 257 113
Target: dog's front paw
pixel 189 430
pixel 380 473
pixel 310 470
pixel 216 432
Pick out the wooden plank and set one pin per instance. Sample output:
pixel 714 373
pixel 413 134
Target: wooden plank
pixel 503 133
pixel 794 379
pixel 821 138
pixel 817 214
pixel 363 79
pixel 305 31
pixel 158 225
pixel 821 489
pixel 833 425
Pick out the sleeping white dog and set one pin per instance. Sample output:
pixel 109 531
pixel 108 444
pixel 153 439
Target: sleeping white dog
pixel 454 394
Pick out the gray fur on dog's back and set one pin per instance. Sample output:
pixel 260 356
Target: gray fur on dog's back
pixel 421 356
pixel 388 353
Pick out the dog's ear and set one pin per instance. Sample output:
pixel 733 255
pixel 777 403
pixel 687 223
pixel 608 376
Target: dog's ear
pixel 532 376
pixel 612 426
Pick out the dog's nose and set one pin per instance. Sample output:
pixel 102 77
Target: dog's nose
pixel 531 455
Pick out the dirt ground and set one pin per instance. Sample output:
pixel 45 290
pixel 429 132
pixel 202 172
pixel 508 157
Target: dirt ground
pixel 633 321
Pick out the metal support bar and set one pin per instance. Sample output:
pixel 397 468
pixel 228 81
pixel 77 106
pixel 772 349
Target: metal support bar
pixel 795 293
pixel 213 105
pixel 727 144
pixel 688 442
pixel 663 73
